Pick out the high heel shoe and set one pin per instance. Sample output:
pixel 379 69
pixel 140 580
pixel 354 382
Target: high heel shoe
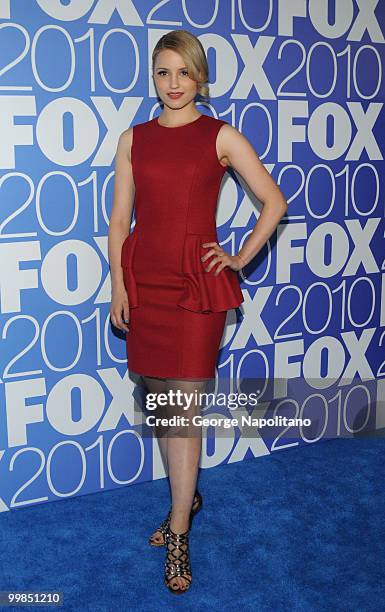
pixel 177 561
pixel 196 506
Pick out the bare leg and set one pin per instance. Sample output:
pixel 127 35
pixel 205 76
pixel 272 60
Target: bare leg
pixel 184 449
pixel 158 385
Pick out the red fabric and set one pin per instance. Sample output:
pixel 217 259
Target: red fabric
pixel 126 262
pixel 203 291
pixel 177 309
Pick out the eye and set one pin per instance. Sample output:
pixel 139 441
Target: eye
pixel 161 72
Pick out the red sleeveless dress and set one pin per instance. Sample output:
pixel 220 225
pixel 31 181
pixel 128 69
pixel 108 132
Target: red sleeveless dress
pixel 177 309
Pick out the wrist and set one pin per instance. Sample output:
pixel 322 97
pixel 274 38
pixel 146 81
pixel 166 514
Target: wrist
pixel 117 285
pixel 243 260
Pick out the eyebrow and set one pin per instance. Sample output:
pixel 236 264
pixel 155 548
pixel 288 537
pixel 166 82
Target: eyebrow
pixel 163 68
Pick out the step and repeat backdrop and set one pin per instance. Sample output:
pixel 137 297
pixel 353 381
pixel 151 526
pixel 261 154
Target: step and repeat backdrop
pixel 303 80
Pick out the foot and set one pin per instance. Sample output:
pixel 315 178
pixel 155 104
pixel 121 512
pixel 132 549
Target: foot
pixel 157 538
pixel 177 575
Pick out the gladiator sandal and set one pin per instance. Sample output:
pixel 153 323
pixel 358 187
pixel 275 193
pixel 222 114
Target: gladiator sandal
pixel 177 561
pixel 160 540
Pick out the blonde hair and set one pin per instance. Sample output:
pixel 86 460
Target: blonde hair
pixel 193 53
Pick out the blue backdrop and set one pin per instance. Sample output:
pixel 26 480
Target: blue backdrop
pixel 303 81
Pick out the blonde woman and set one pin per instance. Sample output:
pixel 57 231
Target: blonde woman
pixel 172 284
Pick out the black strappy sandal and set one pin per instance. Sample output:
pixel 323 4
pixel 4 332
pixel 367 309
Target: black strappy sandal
pixel 177 561
pixel 197 505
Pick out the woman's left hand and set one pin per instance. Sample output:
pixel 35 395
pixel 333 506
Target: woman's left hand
pixel 223 259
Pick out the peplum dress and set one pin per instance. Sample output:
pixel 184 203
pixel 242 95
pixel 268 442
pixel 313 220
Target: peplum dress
pixel 177 309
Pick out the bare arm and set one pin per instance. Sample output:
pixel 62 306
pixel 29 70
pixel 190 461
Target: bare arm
pixel 240 154
pixel 120 222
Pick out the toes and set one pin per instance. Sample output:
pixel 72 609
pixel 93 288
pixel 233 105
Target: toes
pixel 175 585
pixel 157 537
pixel 180 584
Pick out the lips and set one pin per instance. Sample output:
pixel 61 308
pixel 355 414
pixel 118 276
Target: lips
pixel 175 95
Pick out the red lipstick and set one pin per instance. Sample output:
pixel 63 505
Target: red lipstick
pixel 175 95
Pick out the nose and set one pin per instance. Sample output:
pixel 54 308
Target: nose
pixel 174 81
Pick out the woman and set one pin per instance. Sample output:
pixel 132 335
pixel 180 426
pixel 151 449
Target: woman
pixel 172 283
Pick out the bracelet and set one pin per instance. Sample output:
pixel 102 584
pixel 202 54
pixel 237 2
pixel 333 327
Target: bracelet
pixel 241 258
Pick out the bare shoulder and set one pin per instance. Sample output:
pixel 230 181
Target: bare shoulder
pixel 244 159
pixel 228 135
pixel 125 143
pixel 230 143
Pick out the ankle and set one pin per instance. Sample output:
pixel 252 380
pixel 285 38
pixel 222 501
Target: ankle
pixel 179 524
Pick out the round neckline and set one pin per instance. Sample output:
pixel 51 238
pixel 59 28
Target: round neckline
pixel 175 127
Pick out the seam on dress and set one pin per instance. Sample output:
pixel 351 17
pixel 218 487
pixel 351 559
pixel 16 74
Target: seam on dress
pixel 181 264
pixel 192 185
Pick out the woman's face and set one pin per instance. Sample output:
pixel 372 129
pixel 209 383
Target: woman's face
pixel 171 77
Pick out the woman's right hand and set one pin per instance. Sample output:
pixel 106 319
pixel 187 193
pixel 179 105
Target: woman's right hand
pixel 119 311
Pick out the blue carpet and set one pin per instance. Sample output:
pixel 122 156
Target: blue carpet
pixel 301 529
